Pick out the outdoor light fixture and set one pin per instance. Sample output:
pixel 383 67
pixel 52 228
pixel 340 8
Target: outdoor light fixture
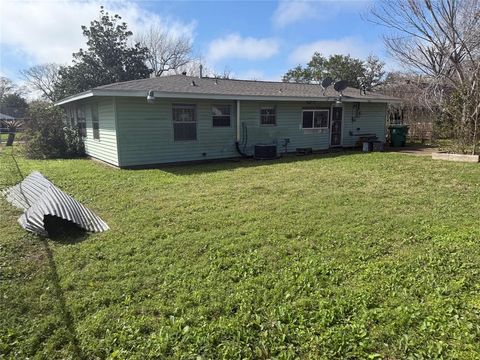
pixel 338 101
pixel 151 97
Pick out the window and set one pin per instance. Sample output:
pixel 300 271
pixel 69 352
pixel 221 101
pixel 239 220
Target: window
pixel 184 122
pixel 315 119
pixel 220 115
pixel 95 122
pixel 81 121
pixel 267 116
pixel 71 116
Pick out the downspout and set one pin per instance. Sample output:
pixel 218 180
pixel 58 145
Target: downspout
pixel 117 134
pixel 238 121
pixel 237 142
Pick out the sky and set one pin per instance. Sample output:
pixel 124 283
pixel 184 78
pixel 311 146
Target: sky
pixel 251 39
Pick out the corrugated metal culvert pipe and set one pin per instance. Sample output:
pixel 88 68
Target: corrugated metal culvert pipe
pixel 40 199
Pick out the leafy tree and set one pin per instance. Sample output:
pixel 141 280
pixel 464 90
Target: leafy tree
pixel 6 86
pixel 107 59
pixel 11 100
pixel 14 105
pixel 373 73
pixel 46 134
pixel 299 74
pixel 357 73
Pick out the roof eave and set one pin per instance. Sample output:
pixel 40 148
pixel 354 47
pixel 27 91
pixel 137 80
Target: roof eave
pixel 83 95
pixel 160 94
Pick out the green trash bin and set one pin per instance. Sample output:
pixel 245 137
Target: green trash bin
pixel 398 135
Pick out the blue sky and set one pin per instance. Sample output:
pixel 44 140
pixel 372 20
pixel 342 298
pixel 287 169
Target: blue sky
pixel 252 39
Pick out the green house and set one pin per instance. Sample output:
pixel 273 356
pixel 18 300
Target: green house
pixel 181 118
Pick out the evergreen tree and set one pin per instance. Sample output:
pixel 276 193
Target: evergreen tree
pixel 107 59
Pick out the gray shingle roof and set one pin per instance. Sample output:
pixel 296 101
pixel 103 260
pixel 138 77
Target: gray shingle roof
pixel 226 87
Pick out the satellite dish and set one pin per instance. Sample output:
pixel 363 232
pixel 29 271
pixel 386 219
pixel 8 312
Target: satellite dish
pixel 341 85
pixel 327 82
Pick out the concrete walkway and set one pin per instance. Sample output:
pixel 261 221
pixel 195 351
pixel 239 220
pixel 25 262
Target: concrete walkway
pixel 418 150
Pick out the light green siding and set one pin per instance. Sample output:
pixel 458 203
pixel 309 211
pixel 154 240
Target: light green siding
pixel 289 125
pixel 371 120
pixel 105 148
pixel 144 132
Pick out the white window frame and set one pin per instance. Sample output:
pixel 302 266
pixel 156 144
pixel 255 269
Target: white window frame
pixel 229 115
pixel 313 111
pixel 270 115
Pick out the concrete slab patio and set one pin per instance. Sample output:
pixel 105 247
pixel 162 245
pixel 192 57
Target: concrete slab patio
pixel 417 150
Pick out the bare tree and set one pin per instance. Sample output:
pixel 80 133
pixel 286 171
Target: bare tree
pixel 167 53
pixel 225 74
pixel 192 68
pixel 441 39
pixel 43 78
pixel 417 108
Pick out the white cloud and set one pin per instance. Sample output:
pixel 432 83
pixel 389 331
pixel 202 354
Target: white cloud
pixel 234 46
pixel 289 12
pixel 292 11
pixel 354 46
pixel 49 31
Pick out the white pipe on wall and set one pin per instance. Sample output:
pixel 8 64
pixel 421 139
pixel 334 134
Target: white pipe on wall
pixel 238 120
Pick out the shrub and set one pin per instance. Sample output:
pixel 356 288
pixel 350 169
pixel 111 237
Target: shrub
pixel 47 134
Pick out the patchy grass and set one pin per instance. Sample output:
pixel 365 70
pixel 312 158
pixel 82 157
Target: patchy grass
pixel 346 256
pixel 20 136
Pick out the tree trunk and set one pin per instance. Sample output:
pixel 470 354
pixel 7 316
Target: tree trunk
pixel 475 131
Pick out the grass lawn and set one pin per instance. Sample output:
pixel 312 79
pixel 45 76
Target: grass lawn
pixel 344 256
pixel 18 137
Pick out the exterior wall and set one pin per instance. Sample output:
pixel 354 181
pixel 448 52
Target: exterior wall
pixel 289 125
pixel 104 148
pixel 133 132
pixel 145 131
pixel 371 120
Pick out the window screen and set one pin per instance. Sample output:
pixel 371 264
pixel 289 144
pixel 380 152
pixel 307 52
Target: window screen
pixel 315 119
pixel 95 122
pixel 307 119
pixel 71 116
pixel 81 121
pixel 267 116
pixel 221 115
pixel 184 122
pixel 320 119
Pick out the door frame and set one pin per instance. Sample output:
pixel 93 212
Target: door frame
pixel 342 126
